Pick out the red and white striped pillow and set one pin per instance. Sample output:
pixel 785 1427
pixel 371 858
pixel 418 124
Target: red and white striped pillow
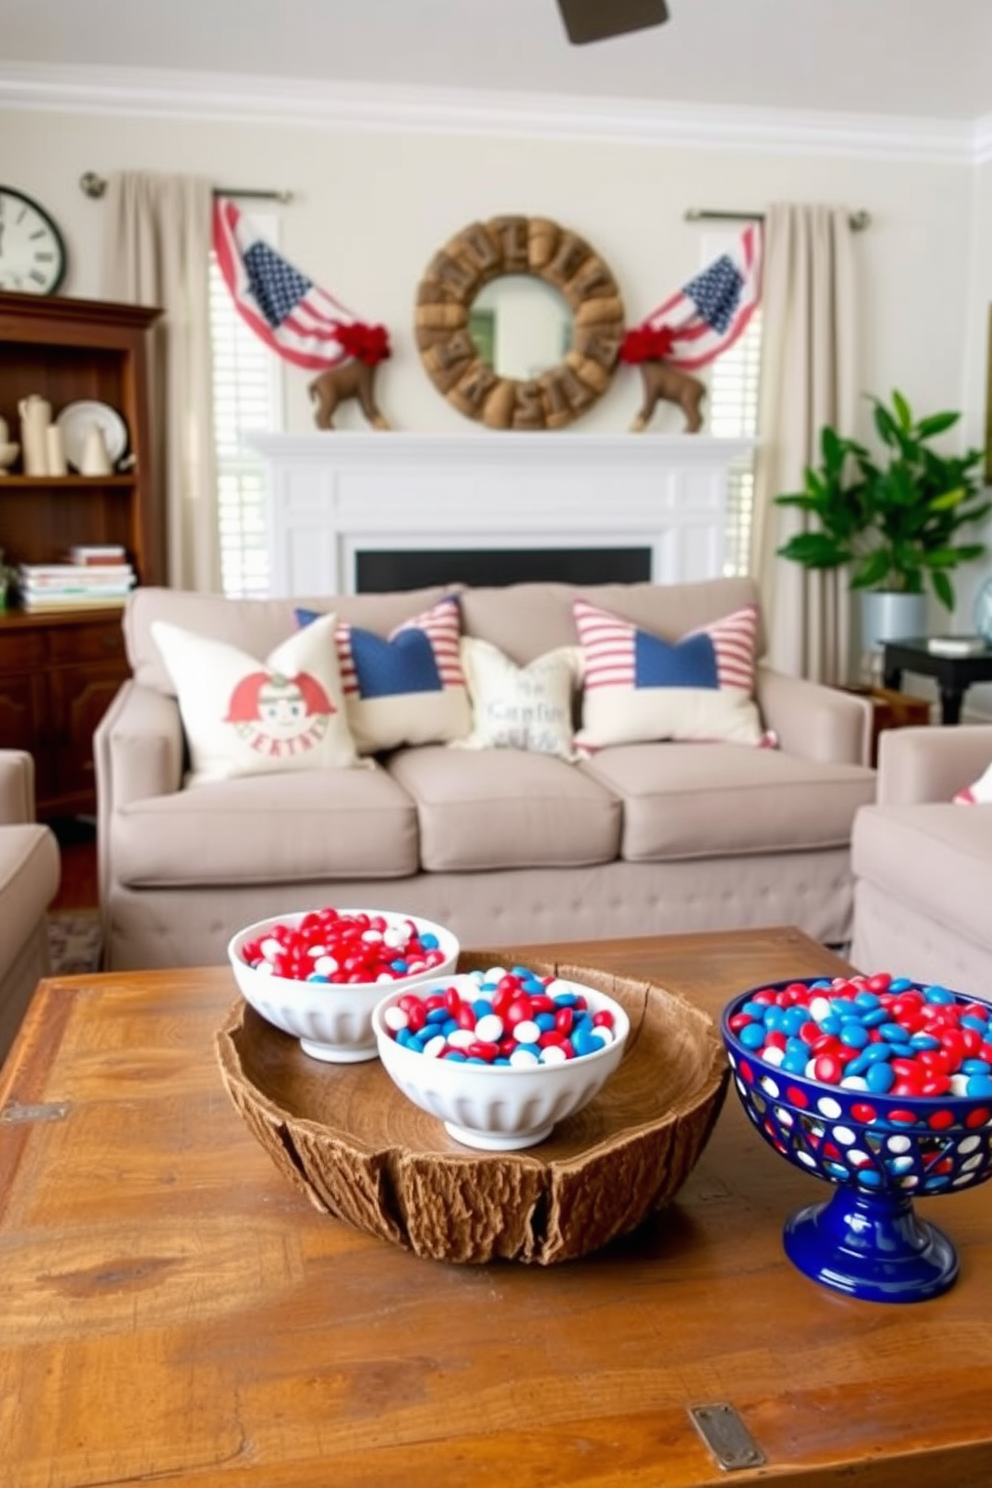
pixel 978 794
pixel 639 687
pixel 407 687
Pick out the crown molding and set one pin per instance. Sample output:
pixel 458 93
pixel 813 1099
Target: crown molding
pixel 157 93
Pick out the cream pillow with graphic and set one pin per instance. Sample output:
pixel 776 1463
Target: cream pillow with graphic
pixel 245 716
pixel 520 707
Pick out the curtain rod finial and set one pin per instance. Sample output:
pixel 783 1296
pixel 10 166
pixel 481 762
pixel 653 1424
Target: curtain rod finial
pixel 92 184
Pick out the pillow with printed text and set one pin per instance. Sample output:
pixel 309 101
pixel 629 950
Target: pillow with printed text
pixel 407 687
pixel 638 687
pixel 245 716
pixel 521 707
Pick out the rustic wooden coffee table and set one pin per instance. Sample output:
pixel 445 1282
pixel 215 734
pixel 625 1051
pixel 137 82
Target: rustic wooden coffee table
pixel 173 1310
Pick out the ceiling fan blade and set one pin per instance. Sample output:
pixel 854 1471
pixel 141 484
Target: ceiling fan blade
pixel 597 20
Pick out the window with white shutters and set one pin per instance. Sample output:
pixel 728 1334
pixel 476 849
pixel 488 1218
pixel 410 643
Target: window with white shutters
pixel 247 390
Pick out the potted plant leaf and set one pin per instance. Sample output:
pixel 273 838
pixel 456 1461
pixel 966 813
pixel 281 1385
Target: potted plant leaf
pixel 895 523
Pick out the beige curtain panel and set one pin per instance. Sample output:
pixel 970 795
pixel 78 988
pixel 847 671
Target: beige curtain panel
pixel 157 252
pixel 808 379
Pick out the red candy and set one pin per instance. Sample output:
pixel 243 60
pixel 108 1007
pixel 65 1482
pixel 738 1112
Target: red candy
pixel 343 949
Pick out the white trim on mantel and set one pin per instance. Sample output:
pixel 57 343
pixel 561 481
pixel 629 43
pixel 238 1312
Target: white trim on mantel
pixel 333 495
pixel 305 102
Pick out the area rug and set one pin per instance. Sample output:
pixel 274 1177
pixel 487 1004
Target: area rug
pixel 75 940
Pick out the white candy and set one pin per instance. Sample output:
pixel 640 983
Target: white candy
pixel 772 1055
pixel 395 1019
pixel 527 1032
pixel 460 1038
pixel 489 1029
pixel 435 1047
pixel 270 947
pixel 819 1008
pixel 553 1054
pixel 325 966
pixel 521 1057
pixel 372 937
pixel 315 951
pixel 395 937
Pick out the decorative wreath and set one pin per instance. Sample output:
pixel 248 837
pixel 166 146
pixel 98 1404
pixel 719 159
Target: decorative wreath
pixel 564 260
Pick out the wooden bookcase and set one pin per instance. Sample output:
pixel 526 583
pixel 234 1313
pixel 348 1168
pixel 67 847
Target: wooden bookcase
pixel 59 672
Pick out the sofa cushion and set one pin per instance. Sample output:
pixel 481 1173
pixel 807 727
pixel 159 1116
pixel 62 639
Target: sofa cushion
pixel 716 800
pixel 525 620
pixel 528 707
pixel 254 625
pixel 504 808
pixel 313 825
pixel 639 686
pixel 407 687
pixel 932 857
pixel 245 716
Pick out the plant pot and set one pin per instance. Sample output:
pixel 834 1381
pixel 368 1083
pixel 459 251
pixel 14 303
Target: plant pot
pixel 887 616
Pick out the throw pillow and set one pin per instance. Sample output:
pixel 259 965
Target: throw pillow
pixel 407 687
pixel 979 794
pixel 521 707
pixel 638 687
pixel 243 716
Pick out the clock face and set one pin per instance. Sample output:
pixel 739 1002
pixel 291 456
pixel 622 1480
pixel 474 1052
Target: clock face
pixel 32 253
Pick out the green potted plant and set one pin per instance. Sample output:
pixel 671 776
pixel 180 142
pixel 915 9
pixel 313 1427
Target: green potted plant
pixel 894 523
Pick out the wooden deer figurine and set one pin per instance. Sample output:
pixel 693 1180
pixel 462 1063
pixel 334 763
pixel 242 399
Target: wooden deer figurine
pixel 366 346
pixel 671 385
pixel 646 346
pixel 350 380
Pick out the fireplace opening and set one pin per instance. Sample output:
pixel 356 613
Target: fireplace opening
pixel 381 571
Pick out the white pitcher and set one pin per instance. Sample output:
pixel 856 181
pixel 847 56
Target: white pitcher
pixel 36 415
pixel 95 459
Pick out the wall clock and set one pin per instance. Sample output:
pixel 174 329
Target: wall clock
pixel 32 252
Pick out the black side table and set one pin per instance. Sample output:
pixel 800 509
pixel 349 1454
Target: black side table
pixel 954 674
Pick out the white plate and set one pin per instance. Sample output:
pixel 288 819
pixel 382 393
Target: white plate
pixel 75 421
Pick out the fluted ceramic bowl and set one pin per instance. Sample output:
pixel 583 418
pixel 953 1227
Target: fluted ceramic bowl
pixel 332 1020
pixel 499 1107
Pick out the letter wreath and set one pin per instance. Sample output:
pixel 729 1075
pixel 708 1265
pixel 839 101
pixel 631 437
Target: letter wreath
pixel 519 245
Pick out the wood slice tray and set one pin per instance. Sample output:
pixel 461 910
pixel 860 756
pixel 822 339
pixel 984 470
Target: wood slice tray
pixel 363 1152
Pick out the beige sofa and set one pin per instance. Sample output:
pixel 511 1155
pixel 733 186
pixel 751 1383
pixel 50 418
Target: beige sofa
pixel 29 881
pixel 923 865
pixel 501 844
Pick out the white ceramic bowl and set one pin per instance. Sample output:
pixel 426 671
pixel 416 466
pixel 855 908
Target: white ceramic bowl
pixel 499 1108
pixel 333 1021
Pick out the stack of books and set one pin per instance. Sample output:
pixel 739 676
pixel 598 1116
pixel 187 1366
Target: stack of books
pixel 90 578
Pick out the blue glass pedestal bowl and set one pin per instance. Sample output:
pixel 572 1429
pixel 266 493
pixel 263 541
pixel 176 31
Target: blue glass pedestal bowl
pixel 880 1152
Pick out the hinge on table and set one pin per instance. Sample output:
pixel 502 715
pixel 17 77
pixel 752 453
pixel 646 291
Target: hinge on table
pixel 727 1437
pixel 14 1113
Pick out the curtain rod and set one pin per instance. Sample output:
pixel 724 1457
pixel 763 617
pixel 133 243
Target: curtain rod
pixel 858 220
pixel 94 185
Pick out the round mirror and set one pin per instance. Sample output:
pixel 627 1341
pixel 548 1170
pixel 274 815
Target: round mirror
pixel 543 368
pixel 520 326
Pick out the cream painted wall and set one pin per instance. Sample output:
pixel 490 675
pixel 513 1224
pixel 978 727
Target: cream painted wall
pixel 370 209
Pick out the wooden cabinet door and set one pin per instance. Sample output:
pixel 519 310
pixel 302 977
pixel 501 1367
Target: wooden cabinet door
pixel 81 695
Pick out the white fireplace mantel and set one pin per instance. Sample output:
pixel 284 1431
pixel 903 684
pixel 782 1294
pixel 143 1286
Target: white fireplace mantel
pixel 335 494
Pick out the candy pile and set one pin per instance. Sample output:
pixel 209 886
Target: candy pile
pixel 501 1017
pixel 329 945
pixel 879 1034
